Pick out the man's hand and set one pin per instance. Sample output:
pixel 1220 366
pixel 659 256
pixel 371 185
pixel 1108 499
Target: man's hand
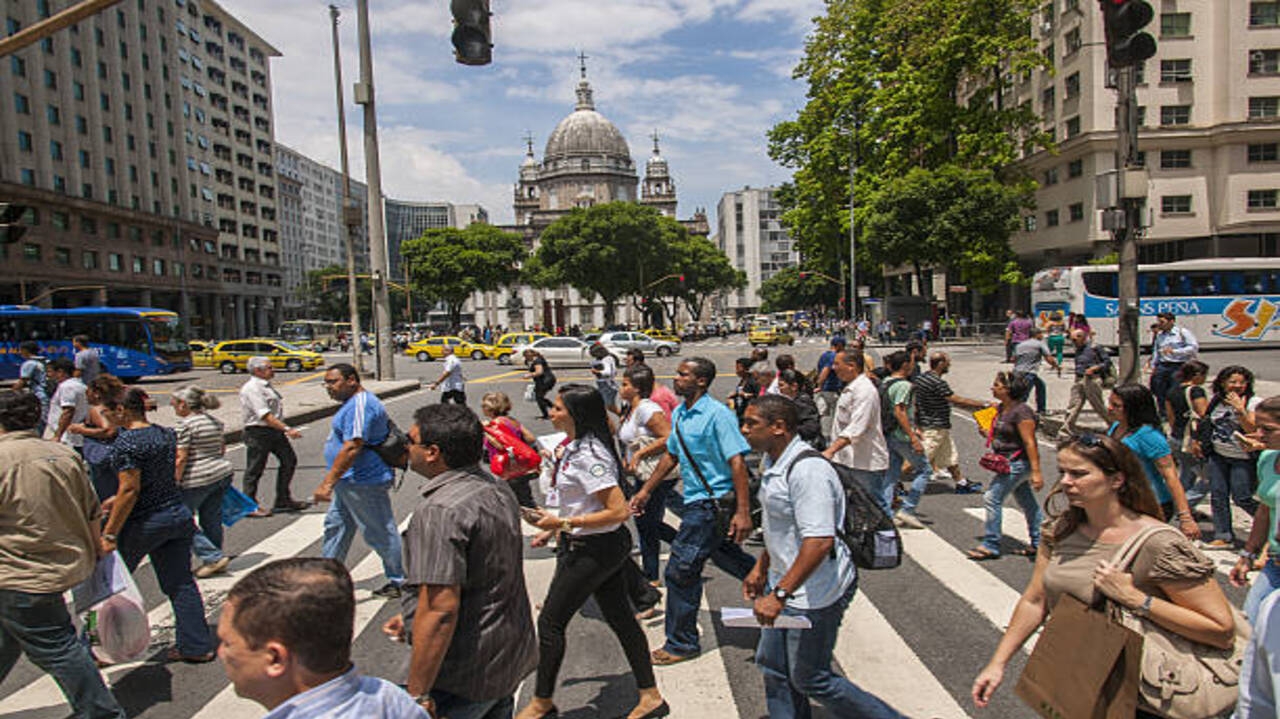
pixel 638 501
pixel 292 433
pixel 916 445
pixel 394 628
pixel 740 527
pixel 323 493
pixel 1239 575
pixel 753 585
pixel 767 608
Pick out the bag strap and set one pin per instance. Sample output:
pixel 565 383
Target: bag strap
pixel 696 470
pixel 1128 552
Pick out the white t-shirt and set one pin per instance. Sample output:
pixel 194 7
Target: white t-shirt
pixel 636 425
pixel 69 397
pixel 586 467
pixel 453 368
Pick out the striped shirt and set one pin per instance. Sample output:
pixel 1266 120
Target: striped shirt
pixel 201 436
pixel 933 411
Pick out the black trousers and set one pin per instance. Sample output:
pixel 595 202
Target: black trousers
pixel 540 396
pixel 590 566
pixel 260 443
pixel 454 396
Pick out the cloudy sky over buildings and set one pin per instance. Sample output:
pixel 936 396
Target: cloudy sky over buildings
pixel 710 76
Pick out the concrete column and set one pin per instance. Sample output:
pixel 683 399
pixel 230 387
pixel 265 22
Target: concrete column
pixel 241 317
pixel 218 327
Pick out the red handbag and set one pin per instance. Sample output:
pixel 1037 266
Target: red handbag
pixel 994 461
pixel 509 455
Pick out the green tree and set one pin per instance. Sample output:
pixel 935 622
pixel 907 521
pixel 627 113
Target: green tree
pixel 608 251
pixel 448 265
pixel 899 85
pixel 705 269
pixel 325 293
pixel 785 290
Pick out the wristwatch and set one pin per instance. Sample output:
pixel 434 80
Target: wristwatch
pixel 1144 609
pixel 109 537
pixel 1246 554
pixel 566 525
pixel 782 594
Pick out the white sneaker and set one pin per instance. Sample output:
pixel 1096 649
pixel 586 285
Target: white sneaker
pixel 907 520
pixel 204 571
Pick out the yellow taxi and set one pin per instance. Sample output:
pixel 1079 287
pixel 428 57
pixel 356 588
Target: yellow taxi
pixel 769 335
pixel 662 335
pixel 233 356
pixel 201 353
pixel 432 348
pixel 505 347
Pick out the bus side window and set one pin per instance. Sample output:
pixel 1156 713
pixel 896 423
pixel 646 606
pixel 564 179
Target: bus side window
pixel 1255 283
pixel 1182 285
pixel 1232 283
pixel 39 328
pixel 1201 283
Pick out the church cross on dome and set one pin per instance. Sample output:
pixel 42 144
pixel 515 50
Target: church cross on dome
pixel 528 141
pixel 582 60
pixel 656 151
pixel 585 102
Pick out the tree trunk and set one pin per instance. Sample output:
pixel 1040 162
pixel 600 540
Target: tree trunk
pixel 609 310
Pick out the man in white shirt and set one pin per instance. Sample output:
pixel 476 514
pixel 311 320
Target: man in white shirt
pixel 856 437
pixel 1171 347
pixel 451 380
pixel 266 434
pixel 69 404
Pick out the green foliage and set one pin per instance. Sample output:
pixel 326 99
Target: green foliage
pixel 325 294
pixel 786 291
pixel 448 265
pixel 902 85
pixel 705 268
pixel 1111 258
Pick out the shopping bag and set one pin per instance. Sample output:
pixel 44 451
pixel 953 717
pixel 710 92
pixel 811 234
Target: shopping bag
pixel 236 505
pixel 110 577
pixel 530 393
pixel 124 631
pixel 1084 666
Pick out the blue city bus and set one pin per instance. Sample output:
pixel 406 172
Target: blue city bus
pixel 133 342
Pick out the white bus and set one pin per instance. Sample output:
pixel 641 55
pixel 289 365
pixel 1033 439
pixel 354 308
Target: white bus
pixel 318 335
pixel 1228 302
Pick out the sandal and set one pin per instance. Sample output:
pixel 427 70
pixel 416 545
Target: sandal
pixel 981 554
pixel 663 658
pixel 173 655
pixel 1030 552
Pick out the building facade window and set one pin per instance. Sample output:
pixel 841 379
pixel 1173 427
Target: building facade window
pixel 115 262
pixel 1051 177
pixel 1075 168
pixel 1175 24
pixel 1262 199
pixel 1175 159
pixel 24 141
pixel 1264 14
pixel 1051 218
pixel 1176 70
pixel 1263 107
pixel 1175 204
pixel 31 252
pixel 1073 126
pixel 1175 114
pixel 89 259
pixel 1072 85
pixel 1075 211
pixel 1264 62
pixel 1264 152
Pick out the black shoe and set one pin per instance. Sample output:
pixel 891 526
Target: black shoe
pixel 657 712
pixel 388 591
pixel 290 506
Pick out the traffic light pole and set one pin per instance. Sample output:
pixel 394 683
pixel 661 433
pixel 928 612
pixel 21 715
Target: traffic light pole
pixel 345 222
pixel 373 178
pixel 1126 234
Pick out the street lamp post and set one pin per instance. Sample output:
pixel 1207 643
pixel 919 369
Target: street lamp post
pixel 350 217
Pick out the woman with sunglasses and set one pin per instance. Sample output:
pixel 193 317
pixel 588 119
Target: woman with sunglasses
pixel 1102 499
pixel 1013 436
pixel 1265 437
pixel 592 553
pixel 1233 472
pixel 1132 411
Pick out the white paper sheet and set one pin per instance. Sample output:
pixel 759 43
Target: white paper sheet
pixel 746 617
pixel 551 441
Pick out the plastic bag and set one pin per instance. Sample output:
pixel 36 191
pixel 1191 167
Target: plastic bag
pixel 529 393
pixel 124 631
pixel 110 577
pixel 236 505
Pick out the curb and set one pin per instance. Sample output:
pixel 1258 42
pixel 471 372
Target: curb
pixel 311 415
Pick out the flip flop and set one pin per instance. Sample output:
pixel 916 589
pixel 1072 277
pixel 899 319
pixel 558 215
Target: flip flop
pixel 1027 552
pixel 981 554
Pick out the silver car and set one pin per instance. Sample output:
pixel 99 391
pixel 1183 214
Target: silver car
pixel 559 351
pixel 623 341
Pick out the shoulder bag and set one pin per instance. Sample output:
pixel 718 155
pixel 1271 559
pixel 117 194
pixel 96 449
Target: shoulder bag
pixel 1181 678
pixel 994 461
pixel 726 506
pixel 394 450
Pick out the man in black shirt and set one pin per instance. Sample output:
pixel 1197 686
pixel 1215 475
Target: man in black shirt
pixel 1092 362
pixel 934 399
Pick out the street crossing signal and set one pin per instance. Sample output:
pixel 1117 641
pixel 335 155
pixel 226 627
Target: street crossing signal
pixel 680 278
pixel 11 227
pixel 1122 20
pixel 472 39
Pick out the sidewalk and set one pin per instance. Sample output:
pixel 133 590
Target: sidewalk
pixel 302 403
pixel 972 378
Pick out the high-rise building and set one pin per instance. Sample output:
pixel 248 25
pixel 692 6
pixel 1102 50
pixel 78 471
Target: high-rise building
pixel 407 220
pixel 1209 116
pixel 750 233
pixel 311 232
pixel 141 139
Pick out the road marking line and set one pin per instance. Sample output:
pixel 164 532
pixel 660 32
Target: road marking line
pixel 300 380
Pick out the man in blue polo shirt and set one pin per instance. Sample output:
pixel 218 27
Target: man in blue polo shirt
pixel 358 481
pixel 707 444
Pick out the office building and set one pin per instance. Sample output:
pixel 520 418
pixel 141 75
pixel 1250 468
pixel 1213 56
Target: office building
pixel 749 231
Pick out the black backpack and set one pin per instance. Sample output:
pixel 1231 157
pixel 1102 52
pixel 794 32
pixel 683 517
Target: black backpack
pixel 889 420
pixel 868 532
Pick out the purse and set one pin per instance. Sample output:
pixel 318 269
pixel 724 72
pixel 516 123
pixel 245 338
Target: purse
pixel 994 461
pixel 510 457
pixel 1181 678
pixel 394 450
pixel 726 506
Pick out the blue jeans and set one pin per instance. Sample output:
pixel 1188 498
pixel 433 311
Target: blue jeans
pixel 205 504
pixel 1230 480
pixel 796 664
pixel 695 543
pixel 609 391
pixel 39 626
pixel 1017 483
pixel 368 507
pixel 652 530
pixel 165 537
pixel 877 482
pixel 1042 393
pixel 900 450
pixel 1267 581
pixel 1192 475
pixel 456 707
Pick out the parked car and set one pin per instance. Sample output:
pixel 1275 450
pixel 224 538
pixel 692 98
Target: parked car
pixel 559 351
pixel 506 345
pixel 662 335
pixel 769 335
pixel 201 353
pixel 432 348
pixel 623 341
pixel 233 356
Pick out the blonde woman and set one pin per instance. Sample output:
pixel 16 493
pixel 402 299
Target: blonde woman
pixel 202 472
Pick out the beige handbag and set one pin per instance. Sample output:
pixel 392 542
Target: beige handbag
pixel 1181 679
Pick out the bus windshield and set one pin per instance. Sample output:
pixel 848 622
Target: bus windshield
pixel 297 331
pixel 165 334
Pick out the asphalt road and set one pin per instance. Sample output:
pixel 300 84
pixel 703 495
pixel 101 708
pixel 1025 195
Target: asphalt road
pixel 917 635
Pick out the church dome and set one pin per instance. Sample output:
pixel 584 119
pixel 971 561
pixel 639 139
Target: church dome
pixel 586 133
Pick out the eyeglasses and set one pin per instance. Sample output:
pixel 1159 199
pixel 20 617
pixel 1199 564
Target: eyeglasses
pixel 1088 439
pixel 332 381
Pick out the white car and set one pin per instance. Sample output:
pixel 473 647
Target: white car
pixel 620 342
pixel 559 351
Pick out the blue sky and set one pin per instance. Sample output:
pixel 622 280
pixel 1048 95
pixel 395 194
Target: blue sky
pixel 711 76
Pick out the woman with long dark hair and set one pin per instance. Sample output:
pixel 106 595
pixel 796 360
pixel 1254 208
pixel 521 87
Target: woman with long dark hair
pixel 1233 473
pixel 1013 436
pixel 593 549
pixel 146 518
pixel 1103 499
pixel 1132 411
pixel 1185 406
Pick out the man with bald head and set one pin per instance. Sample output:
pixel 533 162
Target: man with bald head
pixel 1092 362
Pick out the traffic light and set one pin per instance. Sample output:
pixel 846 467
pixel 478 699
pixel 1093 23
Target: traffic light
pixel 11 227
pixel 1122 20
pixel 804 275
pixel 472 39
pixel 681 279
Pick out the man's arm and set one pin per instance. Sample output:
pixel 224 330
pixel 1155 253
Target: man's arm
pixel 740 528
pixel 965 402
pixel 346 457
pixel 64 421
pixel 433 627
pixel 813 552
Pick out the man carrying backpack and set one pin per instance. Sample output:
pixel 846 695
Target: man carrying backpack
pixel 905 443
pixel 803 572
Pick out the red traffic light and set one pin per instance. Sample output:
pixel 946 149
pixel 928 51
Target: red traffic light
pixel 681 278
pixel 804 275
pixel 1122 21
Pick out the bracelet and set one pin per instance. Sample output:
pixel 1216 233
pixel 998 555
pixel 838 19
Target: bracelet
pixel 109 537
pixel 1246 554
pixel 566 525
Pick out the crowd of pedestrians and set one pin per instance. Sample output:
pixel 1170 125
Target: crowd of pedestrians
pixel 770 458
